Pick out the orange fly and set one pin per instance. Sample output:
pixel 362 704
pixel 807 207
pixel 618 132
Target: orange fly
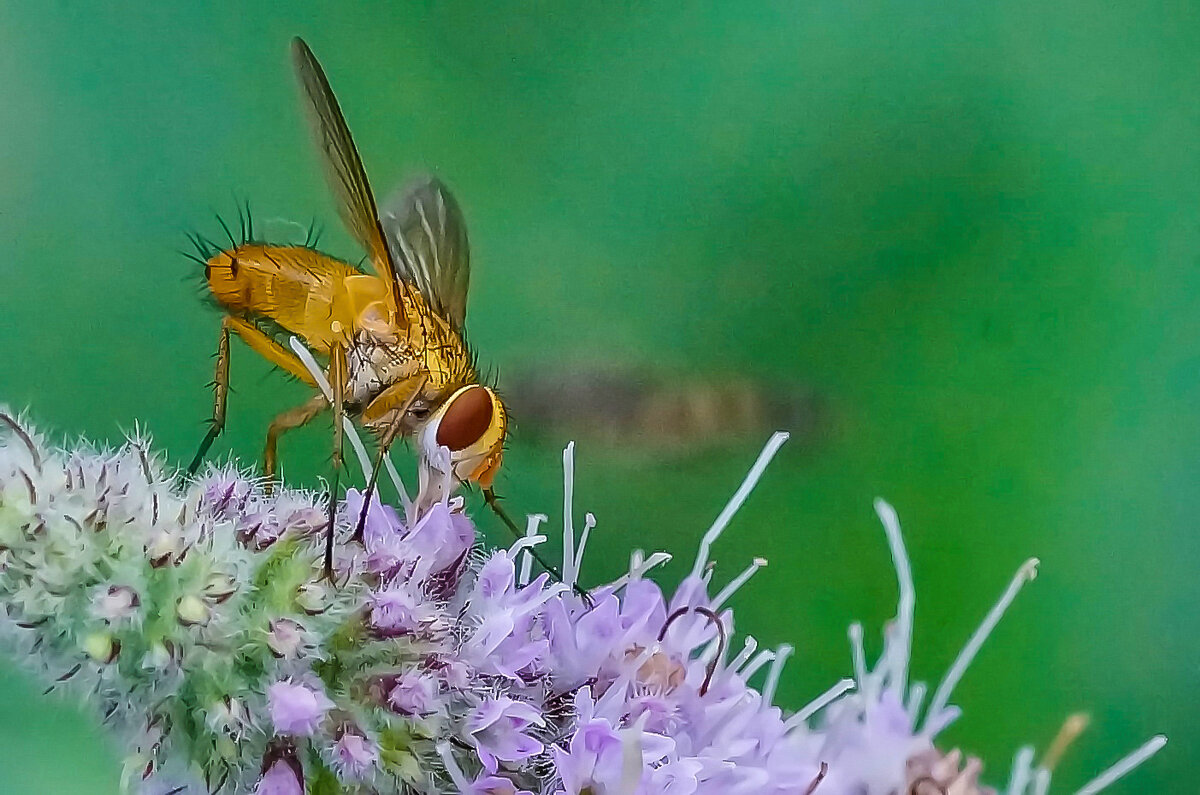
pixel 392 340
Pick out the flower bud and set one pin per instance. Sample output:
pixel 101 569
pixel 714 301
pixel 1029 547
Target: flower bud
pixel 115 603
pixel 286 638
pixel 191 611
pixel 219 587
pixel 313 598
pixel 102 647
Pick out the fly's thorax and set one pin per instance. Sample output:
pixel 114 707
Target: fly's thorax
pixel 376 363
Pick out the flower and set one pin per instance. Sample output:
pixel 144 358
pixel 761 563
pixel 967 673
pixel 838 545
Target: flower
pixel 281 778
pixel 497 730
pixel 414 693
pixel 162 600
pixel 296 709
pixel 355 754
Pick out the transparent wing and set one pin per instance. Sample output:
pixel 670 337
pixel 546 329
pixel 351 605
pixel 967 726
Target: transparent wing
pixel 343 167
pixel 427 234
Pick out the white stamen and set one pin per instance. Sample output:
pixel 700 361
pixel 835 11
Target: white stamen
pixel 314 370
pixel 589 522
pixel 398 484
pixel 360 451
pixel 1102 781
pixel 749 648
pixel 916 694
pixel 858 654
pixel 531 526
pixel 568 505
pixel 638 569
pixel 941 696
pixel 760 659
pixel 781 656
pixel 1018 780
pixel 730 589
pixel 1041 781
pixel 900 650
pixel 739 497
pixel 819 703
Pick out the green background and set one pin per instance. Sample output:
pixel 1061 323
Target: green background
pixel 972 232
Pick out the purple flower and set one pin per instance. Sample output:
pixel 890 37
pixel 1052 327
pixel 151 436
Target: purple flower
pixel 597 755
pixel 441 538
pixel 283 777
pixel 497 729
pixel 226 492
pixel 414 693
pixel 286 638
pixel 399 610
pixel 494 785
pixel 355 754
pixel 296 709
pixel 506 641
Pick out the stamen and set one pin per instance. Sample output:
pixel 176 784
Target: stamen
pixel 730 589
pixel 916 695
pixel 819 703
pixel 858 654
pixel 638 569
pixel 355 442
pixel 1041 781
pixel 816 782
pixel 1102 781
pixel 1018 780
pixel 568 505
pixel 750 646
pixel 1070 731
pixel 531 525
pixel 941 696
pixel 589 522
pixel 739 497
pixel 900 650
pixel 781 656
pixel 761 659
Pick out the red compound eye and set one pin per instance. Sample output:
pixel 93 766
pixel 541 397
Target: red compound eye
pixel 466 419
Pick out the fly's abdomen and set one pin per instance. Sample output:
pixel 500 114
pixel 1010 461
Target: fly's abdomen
pixel 294 286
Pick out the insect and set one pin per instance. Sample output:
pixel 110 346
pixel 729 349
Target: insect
pixel 392 341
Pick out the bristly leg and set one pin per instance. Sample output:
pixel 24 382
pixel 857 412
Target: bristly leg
pixel 385 444
pixel 338 373
pixel 333 492
pixel 221 394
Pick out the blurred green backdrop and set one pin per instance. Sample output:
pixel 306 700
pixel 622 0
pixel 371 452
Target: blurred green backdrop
pixel 973 232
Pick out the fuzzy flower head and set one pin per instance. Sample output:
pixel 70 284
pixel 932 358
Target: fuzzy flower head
pixel 160 600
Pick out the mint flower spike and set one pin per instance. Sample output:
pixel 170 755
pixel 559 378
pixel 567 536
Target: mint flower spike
pixel 191 616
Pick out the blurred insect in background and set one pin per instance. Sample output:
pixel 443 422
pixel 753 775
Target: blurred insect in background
pixel 393 340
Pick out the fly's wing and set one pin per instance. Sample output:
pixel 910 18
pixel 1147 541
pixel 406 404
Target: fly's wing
pixel 427 234
pixel 343 167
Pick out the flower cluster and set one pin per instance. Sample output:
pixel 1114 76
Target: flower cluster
pixel 194 616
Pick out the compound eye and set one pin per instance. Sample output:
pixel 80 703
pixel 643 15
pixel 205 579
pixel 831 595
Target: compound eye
pixel 466 419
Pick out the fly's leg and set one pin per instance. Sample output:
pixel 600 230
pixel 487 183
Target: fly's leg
pixel 221 393
pixel 284 422
pixel 337 384
pixel 385 443
pixel 265 347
